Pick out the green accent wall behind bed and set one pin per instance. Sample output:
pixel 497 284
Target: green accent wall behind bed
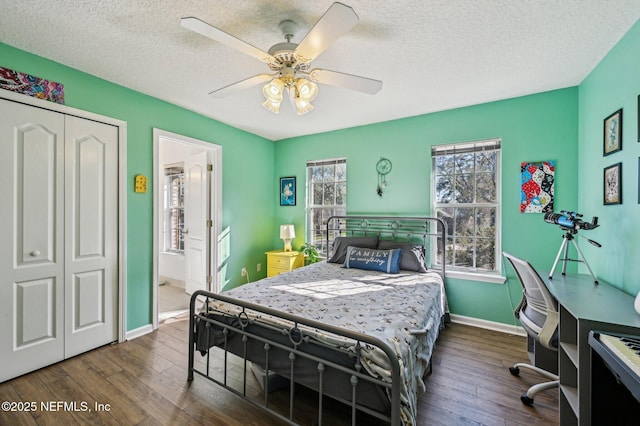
pixel 533 128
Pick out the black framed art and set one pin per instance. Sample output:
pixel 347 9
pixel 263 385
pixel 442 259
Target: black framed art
pixel 612 140
pixel 288 191
pixel 612 178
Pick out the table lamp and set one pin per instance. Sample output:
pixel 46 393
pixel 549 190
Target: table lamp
pixel 287 233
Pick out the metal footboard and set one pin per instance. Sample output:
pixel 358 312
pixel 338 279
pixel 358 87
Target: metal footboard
pixel 248 327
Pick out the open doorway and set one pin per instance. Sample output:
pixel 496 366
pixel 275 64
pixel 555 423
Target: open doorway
pixel 187 217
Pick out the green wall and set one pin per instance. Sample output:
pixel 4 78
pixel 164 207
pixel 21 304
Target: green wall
pixel 613 84
pixel 248 190
pixel 533 128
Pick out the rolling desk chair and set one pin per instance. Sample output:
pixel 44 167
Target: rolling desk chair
pixel 538 314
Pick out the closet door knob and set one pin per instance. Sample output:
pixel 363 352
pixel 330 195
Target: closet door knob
pixel 35 253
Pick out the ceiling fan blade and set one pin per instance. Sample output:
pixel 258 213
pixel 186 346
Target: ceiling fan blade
pixel 241 85
pixel 335 22
pixel 348 81
pixel 201 27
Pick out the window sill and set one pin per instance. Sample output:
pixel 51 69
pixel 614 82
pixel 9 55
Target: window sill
pixel 477 276
pixel 173 253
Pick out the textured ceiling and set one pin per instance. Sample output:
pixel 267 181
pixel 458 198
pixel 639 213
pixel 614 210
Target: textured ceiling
pixel 431 55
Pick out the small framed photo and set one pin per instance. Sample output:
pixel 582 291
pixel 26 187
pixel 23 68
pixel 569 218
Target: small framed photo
pixel 612 133
pixel 613 184
pixel 288 191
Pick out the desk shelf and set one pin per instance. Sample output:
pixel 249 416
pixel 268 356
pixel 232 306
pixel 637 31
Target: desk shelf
pixel 568 405
pixel 571 350
pixel 585 306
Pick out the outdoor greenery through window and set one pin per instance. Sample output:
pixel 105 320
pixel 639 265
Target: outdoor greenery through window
pixel 466 195
pixel 174 208
pixel 326 197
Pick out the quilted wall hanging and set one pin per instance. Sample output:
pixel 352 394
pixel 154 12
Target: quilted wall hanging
pixel 536 186
pixel 30 85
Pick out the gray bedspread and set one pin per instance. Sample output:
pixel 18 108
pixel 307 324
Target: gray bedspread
pixel 386 306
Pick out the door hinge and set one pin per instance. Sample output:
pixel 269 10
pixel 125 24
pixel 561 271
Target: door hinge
pixel 209 167
pixel 209 223
pixel 209 279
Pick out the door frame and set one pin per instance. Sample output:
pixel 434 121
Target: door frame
pixel 122 189
pixel 215 152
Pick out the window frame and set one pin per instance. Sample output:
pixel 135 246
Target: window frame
pixel 170 208
pixel 472 272
pixel 336 209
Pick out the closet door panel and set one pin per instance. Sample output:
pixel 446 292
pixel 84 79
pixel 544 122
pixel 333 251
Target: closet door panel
pixel 32 247
pixel 91 202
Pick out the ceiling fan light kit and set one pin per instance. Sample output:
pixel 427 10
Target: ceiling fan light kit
pixel 291 61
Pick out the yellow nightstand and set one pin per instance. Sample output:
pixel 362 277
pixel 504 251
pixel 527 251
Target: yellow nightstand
pixel 279 261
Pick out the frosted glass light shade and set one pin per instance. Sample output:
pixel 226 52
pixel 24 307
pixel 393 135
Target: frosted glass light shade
pixel 307 90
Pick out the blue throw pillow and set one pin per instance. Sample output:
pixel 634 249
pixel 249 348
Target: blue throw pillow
pixel 373 260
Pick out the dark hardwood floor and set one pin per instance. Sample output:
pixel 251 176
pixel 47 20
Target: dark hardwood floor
pixel 143 382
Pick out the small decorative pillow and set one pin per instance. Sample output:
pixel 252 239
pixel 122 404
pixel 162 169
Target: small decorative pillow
pixel 373 260
pixel 340 245
pixel 413 255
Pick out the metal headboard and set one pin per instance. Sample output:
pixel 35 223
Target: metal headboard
pixel 431 232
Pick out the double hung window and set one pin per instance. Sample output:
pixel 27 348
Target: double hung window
pixel 174 208
pixel 326 197
pixel 466 195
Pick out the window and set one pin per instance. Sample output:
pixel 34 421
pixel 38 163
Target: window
pixel 326 197
pixel 174 208
pixel 466 195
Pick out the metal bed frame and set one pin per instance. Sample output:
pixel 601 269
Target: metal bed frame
pixel 293 331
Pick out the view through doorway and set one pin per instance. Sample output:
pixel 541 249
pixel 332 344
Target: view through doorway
pixel 186 218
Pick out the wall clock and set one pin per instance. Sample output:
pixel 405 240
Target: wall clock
pixel 383 167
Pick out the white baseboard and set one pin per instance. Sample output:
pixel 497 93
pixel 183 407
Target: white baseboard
pixel 140 331
pixel 489 325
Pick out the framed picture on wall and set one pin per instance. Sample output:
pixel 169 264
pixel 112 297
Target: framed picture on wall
pixel 288 191
pixel 612 133
pixel 612 177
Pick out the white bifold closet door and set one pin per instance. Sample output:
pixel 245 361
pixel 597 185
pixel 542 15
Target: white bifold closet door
pixel 58 251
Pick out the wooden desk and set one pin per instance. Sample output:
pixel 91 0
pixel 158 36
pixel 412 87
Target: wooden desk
pixel 585 306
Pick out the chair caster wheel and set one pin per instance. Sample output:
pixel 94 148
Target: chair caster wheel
pixel 514 370
pixel 526 400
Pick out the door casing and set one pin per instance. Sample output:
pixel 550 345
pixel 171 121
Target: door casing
pixel 214 152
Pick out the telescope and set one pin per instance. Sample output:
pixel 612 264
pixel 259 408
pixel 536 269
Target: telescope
pixel 570 221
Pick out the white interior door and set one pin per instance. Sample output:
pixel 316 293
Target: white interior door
pixel 32 245
pixel 91 202
pixel 196 214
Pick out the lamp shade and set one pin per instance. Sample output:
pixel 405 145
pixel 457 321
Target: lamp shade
pixel 287 232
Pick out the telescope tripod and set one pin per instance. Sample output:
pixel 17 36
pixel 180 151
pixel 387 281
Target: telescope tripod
pixel 565 247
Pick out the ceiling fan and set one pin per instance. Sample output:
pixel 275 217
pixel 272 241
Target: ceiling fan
pixel 290 62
